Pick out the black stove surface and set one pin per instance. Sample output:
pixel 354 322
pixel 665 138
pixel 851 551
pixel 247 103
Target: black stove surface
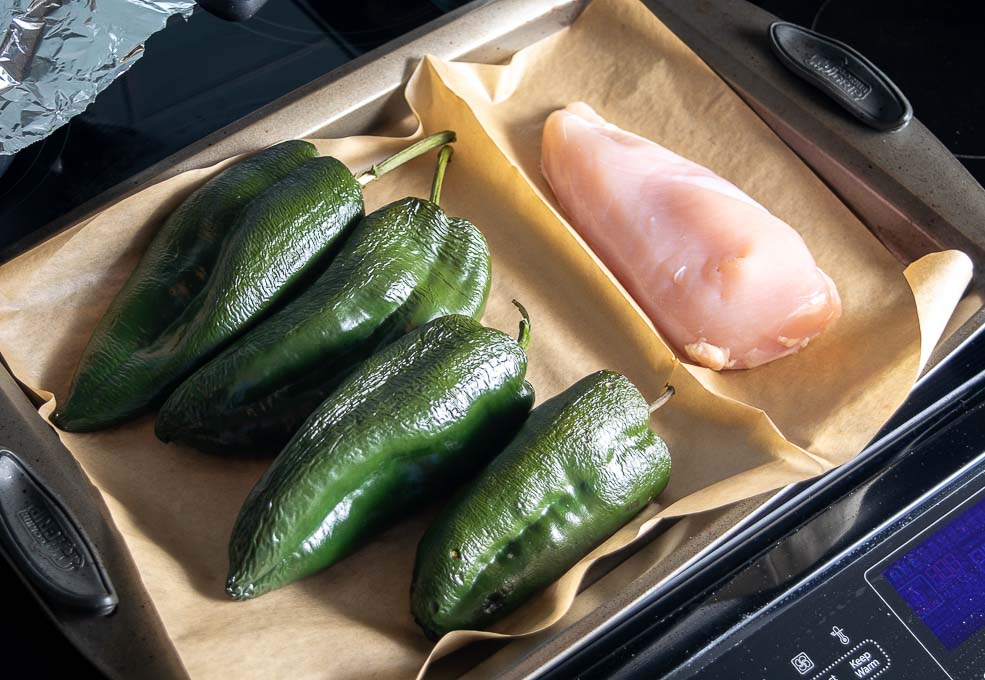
pixel 195 77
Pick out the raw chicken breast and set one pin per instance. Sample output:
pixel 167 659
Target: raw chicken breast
pixel 724 281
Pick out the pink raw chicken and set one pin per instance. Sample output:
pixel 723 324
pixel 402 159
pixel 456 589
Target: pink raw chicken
pixel 726 282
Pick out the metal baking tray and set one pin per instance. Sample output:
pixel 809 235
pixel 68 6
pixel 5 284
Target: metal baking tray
pixel 905 186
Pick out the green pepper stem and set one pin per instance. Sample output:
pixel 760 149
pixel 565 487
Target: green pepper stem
pixel 444 158
pixel 404 155
pixel 663 398
pixel 523 339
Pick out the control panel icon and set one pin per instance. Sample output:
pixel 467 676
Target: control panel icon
pixel 838 633
pixel 802 663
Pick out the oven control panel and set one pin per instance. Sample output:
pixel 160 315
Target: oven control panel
pixel 909 602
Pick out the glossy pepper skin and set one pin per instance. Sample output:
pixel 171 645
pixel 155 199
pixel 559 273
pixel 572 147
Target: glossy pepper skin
pixel 404 265
pixel 583 464
pixel 281 233
pixel 405 428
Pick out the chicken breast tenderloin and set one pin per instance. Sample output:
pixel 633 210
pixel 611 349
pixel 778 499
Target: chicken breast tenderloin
pixel 725 282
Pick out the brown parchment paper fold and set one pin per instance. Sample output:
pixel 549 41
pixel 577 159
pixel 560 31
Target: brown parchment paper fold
pixel 733 436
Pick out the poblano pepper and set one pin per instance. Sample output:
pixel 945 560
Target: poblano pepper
pixel 403 265
pixel 234 249
pixel 404 428
pixel 583 464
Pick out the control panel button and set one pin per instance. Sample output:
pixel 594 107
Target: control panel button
pixel 802 663
pixel 864 661
pixel 838 633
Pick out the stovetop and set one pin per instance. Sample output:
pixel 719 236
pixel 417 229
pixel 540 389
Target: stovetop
pixel 197 76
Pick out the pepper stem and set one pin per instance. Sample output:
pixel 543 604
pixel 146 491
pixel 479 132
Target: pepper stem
pixel 444 158
pixel 411 152
pixel 523 339
pixel 663 398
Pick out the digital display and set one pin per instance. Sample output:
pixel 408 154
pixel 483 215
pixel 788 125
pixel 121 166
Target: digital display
pixel 942 579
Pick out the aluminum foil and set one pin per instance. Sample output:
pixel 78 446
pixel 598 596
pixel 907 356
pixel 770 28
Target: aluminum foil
pixel 57 55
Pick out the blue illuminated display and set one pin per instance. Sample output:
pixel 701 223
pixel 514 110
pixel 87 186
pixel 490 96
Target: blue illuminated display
pixel 943 578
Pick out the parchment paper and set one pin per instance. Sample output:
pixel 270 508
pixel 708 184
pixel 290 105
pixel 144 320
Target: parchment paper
pixel 175 506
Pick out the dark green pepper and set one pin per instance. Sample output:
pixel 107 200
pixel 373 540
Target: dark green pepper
pixel 174 269
pixel 583 465
pixel 403 429
pixel 236 248
pixel 405 264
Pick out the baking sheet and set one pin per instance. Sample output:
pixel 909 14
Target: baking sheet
pixel 175 506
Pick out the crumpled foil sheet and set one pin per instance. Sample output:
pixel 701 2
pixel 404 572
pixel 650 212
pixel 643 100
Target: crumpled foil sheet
pixel 57 55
